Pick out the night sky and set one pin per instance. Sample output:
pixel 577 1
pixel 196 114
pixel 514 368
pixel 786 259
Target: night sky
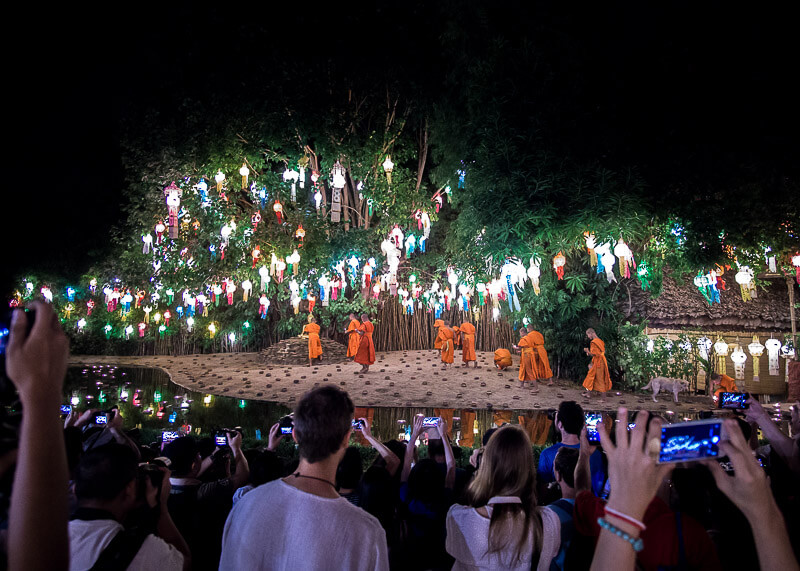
pixel 687 94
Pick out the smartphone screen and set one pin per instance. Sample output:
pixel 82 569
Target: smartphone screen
pixel 356 424
pixel 591 427
pixel 66 408
pixel 169 435
pixel 687 441
pixel 286 425
pixel 631 425
pixel 221 439
pixel 101 419
pixel 429 421
pixel 736 401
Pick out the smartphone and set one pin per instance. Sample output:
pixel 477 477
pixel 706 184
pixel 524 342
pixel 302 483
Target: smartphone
pixel 356 424
pixel 101 419
pixel 688 441
pixel 737 401
pixel 66 408
pixel 169 435
pixel 592 419
pixel 220 438
pixel 429 421
pixel 286 425
pixel 631 425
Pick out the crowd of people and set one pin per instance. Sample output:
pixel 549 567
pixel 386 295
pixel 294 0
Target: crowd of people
pixel 93 497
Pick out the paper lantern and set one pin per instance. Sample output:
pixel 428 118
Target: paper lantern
pixel 212 330
pixel 721 349
pixel 756 349
pixel 388 166
pixel 796 264
pixel 300 233
pixel 292 176
pixel 278 209
pixel 232 337
pixel 591 242
pixel 255 219
pixel 263 272
pixel 773 347
pixel 247 287
pixel 559 261
pixel 739 357
pixel 173 195
pixel 787 352
pixel 263 306
pixel 744 277
pixel 147 241
pixel 255 254
pixel 625 257
pixel 534 272
pixel 230 289
pixel 338 172
pixel 81 324
pixel 220 179
pixel 293 260
pixel 245 172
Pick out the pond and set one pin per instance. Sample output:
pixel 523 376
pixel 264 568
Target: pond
pixel 149 401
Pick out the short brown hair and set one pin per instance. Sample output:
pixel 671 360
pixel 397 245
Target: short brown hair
pixel 321 420
pixel 564 463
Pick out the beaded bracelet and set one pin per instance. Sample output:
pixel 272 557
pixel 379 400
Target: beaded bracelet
pixel 636 542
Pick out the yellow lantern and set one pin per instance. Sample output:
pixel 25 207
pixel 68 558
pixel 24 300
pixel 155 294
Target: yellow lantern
pixel 756 350
pixel 721 349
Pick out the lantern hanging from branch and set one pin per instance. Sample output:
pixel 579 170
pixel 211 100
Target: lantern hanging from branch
pixel 796 264
pixel 247 287
pixel 787 352
pixel 202 190
pixel 721 349
pixel 255 219
pixel 263 306
pixel 292 176
pixel 534 272
pixel 256 255
pixel 317 199
pixel 744 277
pixel 147 241
pixel 294 298
pixel 300 233
pixel 280 266
pixel 278 209
pixel 559 261
pixel 739 357
pixel 756 349
pixel 773 347
pixel 230 289
pixel 159 228
pixel 294 260
pixel 338 182
pixel 263 272
pixel 591 242
pixel 388 167
pixel 245 172
pixel 220 179
pixel 625 257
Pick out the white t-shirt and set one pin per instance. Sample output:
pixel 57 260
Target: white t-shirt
pixel 88 539
pixel 468 541
pixel 277 526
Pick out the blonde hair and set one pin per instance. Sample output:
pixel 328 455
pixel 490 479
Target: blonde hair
pixel 507 469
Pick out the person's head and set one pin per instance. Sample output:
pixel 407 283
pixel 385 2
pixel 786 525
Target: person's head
pixel 569 418
pixel 311 318
pixel 436 449
pixel 364 317
pixel 322 423
pixel 426 481
pixel 350 470
pixel 447 323
pixel 507 469
pixel 108 476
pixel 564 467
pixel 522 332
pixel 715 378
pixel 353 316
pixel 591 334
pixel 184 455
pixel 487 435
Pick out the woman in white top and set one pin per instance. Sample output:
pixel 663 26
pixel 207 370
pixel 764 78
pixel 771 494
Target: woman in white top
pixel 502 527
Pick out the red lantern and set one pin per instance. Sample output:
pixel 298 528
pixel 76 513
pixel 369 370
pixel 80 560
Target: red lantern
pixel 278 208
pixel 559 261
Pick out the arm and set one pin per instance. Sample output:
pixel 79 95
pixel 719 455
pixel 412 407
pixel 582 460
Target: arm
pixel 115 429
pixel 38 512
pixel 749 490
pixel 583 473
pixel 450 476
pixel 410 447
pixel 391 459
pixel 275 437
pixel 165 528
pixel 783 445
pixel 242 474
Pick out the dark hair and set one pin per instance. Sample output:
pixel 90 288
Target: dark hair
pixel 265 467
pixel 377 497
pixel 487 435
pixel 350 470
pixel 182 452
pixel 104 472
pixel 564 463
pixel 570 415
pixel 435 448
pixel 321 420
pixel 426 481
pixel 747 430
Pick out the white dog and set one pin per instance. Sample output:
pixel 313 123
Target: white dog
pixel 674 385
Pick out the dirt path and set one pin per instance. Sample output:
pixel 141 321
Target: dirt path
pixel 402 378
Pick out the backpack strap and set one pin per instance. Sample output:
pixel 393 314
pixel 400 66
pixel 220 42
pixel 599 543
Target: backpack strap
pixel 119 553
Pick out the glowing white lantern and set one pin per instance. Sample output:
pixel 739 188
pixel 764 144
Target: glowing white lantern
pixel 225 232
pixel 294 260
pixel 651 345
pixel 81 324
pixel 294 287
pixel 128 331
pixel 739 357
pixel 75 400
pixel 247 287
pixel 721 349
pixel 388 166
pixel 796 264
pixel 48 295
pixel 534 272
pixel 773 347
pixel 591 242
pixel 212 330
pixel 704 346
pixel 173 195
pixel 147 240
pixel 189 324
pixel 318 199
pixel 756 349
pixel 263 272
pixel 245 172
pixel 232 337
pixel 607 260
pixel 496 313
pixel 787 352
pixel 292 176
pixel 337 176
pixel 625 257
pixel 744 277
pixel 220 178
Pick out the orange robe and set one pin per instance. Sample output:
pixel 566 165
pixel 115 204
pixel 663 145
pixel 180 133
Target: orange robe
pixel 447 337
pixel 502 358
pixel 457 336
pixel 534 364
pixel 366 347
pixel 726 385
pixel 314 342
pixel 437 344
pixel 353 338
pixel 598 378
pixel 468 342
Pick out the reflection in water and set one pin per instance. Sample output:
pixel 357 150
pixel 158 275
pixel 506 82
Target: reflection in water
pixel 151 402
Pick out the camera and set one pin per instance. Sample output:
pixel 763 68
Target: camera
pixel 286 424
pixel 153 473
pixel 221 437
pixel 736 401
pixel 688 441
pixel 591 426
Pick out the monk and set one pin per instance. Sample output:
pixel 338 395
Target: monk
pixel 502 359
pixel 598 379
pixel 366 347
pixel 724 383
pixel 437 343
pixel 468 344
pixel 533 348
pixel 353 338
pixel 314 342
pixel 447 337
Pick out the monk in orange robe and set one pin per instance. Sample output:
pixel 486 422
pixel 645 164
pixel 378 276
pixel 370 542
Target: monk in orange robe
pixel 366 347
pixel 598 379
pixel 353 338
pixel 534 364
pixel 437 343
pixel 468 344
pixel 447 336
pixel 725 385
pixel 314 342
pixel 502 359
pixel 457 337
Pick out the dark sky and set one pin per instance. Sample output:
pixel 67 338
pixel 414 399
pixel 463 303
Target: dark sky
pixel 685 92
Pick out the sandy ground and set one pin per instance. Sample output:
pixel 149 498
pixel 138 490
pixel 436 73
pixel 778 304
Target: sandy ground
pixel 397 379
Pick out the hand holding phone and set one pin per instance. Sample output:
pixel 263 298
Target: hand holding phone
pixel 735 401
pixel 357 424
pixel 592 419
pixel 220 438
pixel 101 419
pixel 286 424
pixel 690 441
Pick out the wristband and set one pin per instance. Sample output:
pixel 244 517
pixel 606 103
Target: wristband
pixel 626 518
pixel 636 542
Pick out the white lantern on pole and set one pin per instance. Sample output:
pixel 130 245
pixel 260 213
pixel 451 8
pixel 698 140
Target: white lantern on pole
pixel 721 349
pixel 744 277
pixel 739 357
pixel 756 349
